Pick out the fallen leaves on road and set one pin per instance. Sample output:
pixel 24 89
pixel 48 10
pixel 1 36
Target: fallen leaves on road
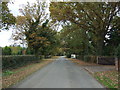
pixel 16 77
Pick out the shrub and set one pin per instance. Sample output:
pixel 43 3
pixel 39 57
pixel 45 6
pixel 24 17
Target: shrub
pixel 10 62
pixel 7 51
pixel 68 55
pixel 80 57
pixel 90 58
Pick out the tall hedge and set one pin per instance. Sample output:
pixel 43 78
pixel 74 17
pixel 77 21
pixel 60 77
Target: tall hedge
pixel 14 61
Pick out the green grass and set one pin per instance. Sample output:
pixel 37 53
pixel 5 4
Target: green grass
pixel 9 72
pixel 106 82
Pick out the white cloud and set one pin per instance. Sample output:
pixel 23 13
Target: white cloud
pixel 5 38
pixel 14 7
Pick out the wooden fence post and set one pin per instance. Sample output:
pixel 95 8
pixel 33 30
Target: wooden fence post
pixel 116 63
pixel 118 59
pixel 97 59
pixel 119 64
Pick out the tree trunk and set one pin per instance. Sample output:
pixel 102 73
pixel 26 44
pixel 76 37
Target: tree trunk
pixel 100 44
pixel 37 55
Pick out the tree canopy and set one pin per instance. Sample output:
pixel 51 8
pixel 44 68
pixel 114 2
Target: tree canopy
pixel 7 17
pixel 88 28
pixel 33 28
pixel 95 20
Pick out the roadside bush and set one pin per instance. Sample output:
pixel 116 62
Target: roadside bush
pixel 90 58
pixel 10 62
pixel 6 51
pixel 80 57
pixel 47 56
pixel 68 55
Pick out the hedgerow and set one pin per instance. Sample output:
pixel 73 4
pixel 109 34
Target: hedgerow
pixel 15 61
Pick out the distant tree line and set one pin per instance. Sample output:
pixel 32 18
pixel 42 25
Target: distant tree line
pixel 16 50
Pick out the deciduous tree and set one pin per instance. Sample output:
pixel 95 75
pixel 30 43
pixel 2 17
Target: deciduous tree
pixel 7 17
pixel 33 28
pixel 95 18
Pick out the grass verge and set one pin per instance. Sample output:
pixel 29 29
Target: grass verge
pixel 80 62
pixel 11 77
pixel 108 78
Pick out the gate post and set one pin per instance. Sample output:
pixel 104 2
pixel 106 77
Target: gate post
pixel 116 63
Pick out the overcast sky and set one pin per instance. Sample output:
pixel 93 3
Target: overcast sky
pixel 6 35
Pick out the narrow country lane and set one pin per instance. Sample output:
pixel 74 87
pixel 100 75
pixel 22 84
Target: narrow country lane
pixel 61 73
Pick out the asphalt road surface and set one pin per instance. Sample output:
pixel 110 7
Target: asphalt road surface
pixel 61 73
